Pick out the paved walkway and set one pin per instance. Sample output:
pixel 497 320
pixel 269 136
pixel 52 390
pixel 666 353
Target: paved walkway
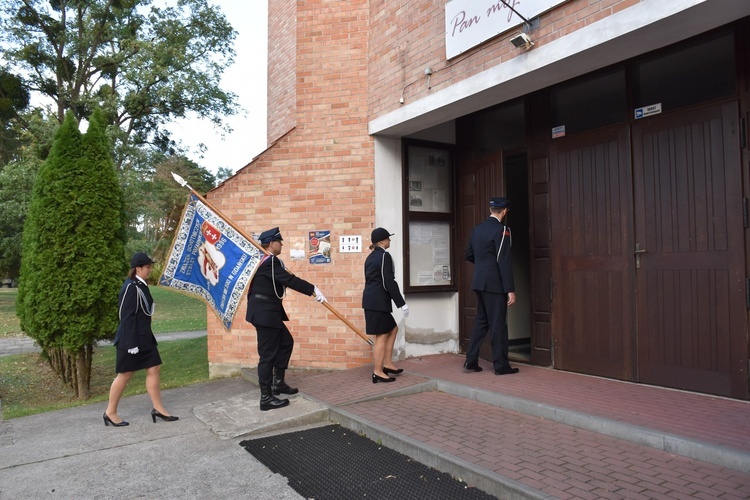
pixel 548 434
pixel 70 455
pixel 541 433
pixel 20 344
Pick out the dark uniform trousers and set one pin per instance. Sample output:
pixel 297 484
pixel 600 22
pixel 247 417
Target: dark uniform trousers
pixel 265 311
pixel 274 350
pixel 490 250
pixel 492 309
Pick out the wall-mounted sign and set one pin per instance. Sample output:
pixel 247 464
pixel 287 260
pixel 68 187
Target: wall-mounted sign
pixel 297 247
pixel 350 244
pixel 645 111
pixel 319 247
pixel 558 131
pixel 471 22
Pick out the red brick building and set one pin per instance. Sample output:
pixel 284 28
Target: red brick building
pixel 617 128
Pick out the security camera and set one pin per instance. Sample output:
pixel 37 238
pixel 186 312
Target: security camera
pixel 522 40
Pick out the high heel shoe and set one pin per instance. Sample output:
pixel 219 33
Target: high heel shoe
pixel 108 421
pixel 376 379
pixel 166 418
pixel 391 371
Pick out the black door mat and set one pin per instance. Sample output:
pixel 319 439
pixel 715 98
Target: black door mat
pixel 332 462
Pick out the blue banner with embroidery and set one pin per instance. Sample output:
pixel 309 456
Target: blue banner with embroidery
pixel 211 259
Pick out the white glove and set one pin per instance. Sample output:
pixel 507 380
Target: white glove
pixel 319 296
pixel 134 350
pixel 405 309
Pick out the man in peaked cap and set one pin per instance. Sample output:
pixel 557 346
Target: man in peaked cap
pixel 265 311
pixel 489 250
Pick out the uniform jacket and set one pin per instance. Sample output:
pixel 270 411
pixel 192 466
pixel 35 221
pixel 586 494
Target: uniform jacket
pixel 489 250
pixel 134 304
pixel 380 282
pixel 264 307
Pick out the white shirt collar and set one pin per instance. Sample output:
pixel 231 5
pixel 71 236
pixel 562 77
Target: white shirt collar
pixel 141 280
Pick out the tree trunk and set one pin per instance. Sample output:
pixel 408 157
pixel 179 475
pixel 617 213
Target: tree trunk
pixel 73 368
pixel 67 373
pixel 83 372
pixel 59 362
pixel 51 360
pixel 73 363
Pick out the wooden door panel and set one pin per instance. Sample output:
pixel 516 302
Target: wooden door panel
pixel 541 299
pixel 467 300
pixel 692 327
pixel 478 181
pixel 592 264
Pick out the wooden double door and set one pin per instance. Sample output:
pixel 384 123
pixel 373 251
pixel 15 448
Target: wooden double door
pixel 648 252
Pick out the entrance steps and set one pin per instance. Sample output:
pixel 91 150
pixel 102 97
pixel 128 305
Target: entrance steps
pixel 544 433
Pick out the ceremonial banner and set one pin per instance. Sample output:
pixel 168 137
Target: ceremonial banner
pixel 211 259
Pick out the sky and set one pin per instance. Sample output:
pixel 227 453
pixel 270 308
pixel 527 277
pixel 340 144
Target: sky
pixel 246 78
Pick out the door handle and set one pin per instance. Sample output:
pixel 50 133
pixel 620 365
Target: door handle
pixel 638 251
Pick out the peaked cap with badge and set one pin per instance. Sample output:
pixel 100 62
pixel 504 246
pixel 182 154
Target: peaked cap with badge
pixel 270 235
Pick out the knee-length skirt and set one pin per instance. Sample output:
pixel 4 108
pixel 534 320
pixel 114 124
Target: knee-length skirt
pixel 126 362
pixel 378 322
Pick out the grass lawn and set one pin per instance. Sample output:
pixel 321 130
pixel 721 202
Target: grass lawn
pixel 9 324
pixel 175 312
pixel 28 385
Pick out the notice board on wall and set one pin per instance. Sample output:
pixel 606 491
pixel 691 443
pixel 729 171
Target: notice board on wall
pixel 429 254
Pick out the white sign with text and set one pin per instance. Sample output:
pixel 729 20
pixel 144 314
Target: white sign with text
pixel 471 22
pixel 350 244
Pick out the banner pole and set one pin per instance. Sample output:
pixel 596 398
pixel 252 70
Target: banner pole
pixel 182 182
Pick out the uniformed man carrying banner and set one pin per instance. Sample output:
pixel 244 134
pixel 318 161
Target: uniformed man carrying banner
pixel 265 311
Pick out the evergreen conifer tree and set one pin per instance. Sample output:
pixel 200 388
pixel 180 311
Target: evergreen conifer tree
pixel 73 252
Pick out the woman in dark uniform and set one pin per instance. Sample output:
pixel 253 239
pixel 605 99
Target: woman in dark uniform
pixel 380 290
pixel 135 342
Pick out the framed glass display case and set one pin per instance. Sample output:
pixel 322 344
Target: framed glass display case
pixel 429 219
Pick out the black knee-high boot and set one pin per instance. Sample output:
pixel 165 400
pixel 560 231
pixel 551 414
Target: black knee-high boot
pixel 268 401
pixel 279 386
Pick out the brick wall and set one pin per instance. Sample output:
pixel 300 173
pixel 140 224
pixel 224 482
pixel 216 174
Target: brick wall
pixel 282 45
pixel 407 37
pixel 319 176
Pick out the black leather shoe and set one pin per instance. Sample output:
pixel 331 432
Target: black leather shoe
pixel 376 379
pixel 506 371
pixel 166 418
pixel 268 401
pixel 108 421
pixel 389 371
pixel 273 404
pixel 472 367
pixel 279 386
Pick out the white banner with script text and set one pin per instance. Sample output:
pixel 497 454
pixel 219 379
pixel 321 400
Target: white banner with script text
pixel 471 22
